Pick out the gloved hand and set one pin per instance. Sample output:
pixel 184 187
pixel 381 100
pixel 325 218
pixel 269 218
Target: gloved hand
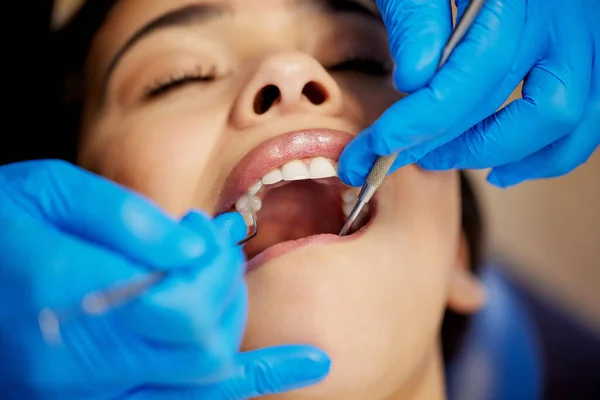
pixel 450 121
pixel 65 232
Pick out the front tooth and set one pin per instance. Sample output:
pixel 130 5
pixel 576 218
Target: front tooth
pixel 320 167
pixel 294 171
pixel 255 188
pixel 272 177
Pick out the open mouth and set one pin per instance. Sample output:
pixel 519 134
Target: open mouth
pixel 290 182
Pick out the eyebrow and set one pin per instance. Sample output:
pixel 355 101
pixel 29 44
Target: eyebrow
pixel 188 15
pixel 206 12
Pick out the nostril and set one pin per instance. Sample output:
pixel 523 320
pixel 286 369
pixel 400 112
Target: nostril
pixel 315 93
pixel 265 99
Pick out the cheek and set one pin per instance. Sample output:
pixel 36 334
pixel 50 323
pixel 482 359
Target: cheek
pixel 375 306
pixel 165 161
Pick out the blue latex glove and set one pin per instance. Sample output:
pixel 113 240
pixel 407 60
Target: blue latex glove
pixel 65 232
pixel 450 121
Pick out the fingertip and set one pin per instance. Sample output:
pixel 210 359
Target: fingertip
pixel 318 357
pixel 303 366
pixel 349 176
pixel 355 161
pixel 501 180
pixel 417 31
pixel 494 179
pixel 231 226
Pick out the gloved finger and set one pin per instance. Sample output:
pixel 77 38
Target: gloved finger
pixel 229 226
pixel 185 308
pixel 229 230
pixel 354 161
pixel 565 154
pixel 155 392
pixel 480 61
pixel 274 370
pixel 102 212
pixel 417 33
pixel 557 159
pixel 233 320
pixel 53 269
pixel 256 373
pixel 218 349
pixel 554 99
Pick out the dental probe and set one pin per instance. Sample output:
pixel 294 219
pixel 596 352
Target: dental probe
pixel 101 301
pixel 383 164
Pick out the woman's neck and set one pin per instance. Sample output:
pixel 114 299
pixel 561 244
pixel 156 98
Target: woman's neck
pixel 428 384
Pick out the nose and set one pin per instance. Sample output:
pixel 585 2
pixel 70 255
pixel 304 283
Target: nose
pixel 284 84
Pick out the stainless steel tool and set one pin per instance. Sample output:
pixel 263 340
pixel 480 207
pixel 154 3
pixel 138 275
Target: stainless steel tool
pixel 383 164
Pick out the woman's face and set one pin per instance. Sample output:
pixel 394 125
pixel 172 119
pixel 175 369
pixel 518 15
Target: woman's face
pixel 192 109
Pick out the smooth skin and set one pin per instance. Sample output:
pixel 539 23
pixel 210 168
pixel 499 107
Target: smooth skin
pixel 451 119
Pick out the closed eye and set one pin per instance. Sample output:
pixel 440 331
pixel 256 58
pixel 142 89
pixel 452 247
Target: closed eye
pixel 176 81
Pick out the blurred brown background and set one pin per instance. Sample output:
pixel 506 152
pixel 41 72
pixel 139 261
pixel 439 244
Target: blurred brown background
pixel 548 232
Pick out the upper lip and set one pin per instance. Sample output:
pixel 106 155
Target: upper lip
pixel 275 152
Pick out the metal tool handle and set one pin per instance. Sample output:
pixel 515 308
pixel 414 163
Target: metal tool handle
pixel 377 175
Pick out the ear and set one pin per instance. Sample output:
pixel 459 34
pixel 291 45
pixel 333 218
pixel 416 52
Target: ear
pixel 466 293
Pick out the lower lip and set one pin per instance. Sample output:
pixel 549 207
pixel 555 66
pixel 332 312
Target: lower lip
pixel 289 246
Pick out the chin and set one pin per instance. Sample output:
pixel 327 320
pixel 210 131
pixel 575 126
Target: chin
pixel 324 296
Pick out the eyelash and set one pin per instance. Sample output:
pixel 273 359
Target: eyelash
pixel 362 65
pixel 176 81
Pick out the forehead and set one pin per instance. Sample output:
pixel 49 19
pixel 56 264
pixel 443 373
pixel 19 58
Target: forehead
pixel 129 16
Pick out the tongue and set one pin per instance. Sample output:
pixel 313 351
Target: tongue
pixel 294 211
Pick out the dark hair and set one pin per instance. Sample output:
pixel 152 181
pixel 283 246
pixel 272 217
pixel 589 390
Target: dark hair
pixel 73 43
pixel 455 325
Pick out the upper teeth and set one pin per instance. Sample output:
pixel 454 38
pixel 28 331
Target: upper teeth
pixel 315 168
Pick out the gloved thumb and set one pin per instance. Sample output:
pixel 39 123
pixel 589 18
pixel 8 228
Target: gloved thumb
pixel 267 371
pixel 417 31
pixel 229 227
pixel 275 370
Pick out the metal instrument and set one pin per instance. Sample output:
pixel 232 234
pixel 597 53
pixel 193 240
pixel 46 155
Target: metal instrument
pixel 383 164
pixel 102 301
